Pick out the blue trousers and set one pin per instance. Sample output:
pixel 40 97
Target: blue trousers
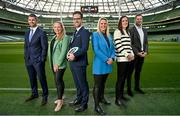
pixel 79 76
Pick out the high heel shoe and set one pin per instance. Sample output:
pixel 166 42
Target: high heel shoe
pixel 55 102
pixel 104 101
pixel 99 110
pixel 59 105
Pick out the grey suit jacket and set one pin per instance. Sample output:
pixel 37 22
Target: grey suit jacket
pixel 135 40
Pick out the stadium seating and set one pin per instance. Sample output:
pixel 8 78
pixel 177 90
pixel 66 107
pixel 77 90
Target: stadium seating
pixel 158 22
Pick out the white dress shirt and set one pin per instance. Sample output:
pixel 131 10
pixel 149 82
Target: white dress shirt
pixel 141 34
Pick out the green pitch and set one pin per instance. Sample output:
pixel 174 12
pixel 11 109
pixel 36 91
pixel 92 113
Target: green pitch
pixel 160 80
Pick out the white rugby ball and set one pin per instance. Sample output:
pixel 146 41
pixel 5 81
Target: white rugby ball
pixel 72 50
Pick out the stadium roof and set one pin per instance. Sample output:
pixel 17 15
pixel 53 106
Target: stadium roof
pixel 105 7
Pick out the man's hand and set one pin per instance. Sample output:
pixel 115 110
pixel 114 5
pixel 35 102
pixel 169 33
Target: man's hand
pixel 142 54
pixel 71 57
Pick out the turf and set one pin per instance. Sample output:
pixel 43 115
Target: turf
pixel 152 103
pixel 160 70
pixel 161 67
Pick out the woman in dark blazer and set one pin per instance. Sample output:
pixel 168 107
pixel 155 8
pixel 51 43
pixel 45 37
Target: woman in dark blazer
pixel 57 58
pixel 102 64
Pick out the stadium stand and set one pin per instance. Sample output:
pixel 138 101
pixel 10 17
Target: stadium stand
pixel 157 24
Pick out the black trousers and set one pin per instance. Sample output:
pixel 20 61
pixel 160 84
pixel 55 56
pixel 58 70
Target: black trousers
pixel 99 85
pixel 122 74
pixel 59 82
pixel 136 65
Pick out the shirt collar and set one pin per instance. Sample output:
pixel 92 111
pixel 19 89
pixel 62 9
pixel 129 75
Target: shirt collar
pixel 77 29
pixel 138 27
pixel 34 28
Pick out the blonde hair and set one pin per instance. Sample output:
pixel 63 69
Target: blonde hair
pixel 63 32
pixel 98 25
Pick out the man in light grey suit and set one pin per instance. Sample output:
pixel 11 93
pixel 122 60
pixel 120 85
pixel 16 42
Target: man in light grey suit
pixel 139 43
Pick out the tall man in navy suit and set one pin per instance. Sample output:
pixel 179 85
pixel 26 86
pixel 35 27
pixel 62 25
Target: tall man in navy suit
pixel 79 62
pixel 35 52
pixel 139 43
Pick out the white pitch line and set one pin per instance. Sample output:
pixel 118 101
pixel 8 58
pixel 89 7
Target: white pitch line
pixel 73 89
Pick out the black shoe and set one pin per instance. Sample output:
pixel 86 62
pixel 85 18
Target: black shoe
pixel 99 110
pixel 74 102
pixel 119 102
pixel 104 101
pixel 81 108
pixel 139 91
pixel 44 101
pixel 129 92
pixel 31 98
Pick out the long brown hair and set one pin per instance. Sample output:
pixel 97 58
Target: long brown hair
pixel 120 24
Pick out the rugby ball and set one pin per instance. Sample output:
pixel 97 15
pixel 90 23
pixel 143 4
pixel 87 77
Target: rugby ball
pixel 72 50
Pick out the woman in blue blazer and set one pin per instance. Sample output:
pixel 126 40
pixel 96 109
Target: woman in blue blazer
pixel 104 53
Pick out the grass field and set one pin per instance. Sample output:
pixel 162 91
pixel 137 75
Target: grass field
pixel 160 79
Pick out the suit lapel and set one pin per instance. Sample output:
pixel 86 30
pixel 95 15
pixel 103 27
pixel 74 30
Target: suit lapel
pixel 136 31
pixel 80 30
pixel 75 35
pixel 55 45
pixel 137 34
pixel 103 40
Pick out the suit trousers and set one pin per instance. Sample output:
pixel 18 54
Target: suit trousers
pixel 136 66
pixel 79 76
pixel 34 70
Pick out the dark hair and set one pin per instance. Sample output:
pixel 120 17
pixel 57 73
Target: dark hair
pixel 78 12
pixel 33 15
pixel 138 15
pixel 120 24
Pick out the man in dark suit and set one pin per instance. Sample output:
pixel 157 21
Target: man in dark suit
pixel 35 52
pixel 79 61
pixel 139 43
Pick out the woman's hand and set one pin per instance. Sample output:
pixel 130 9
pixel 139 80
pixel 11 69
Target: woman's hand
pixel 56 67
pixel 130 57
pixel 110 61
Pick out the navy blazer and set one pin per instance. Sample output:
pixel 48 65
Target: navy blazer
pixel 36 50
pixel 135 40
pixel 81 40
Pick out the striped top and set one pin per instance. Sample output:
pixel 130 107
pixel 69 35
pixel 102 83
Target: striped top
pixel 122 43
